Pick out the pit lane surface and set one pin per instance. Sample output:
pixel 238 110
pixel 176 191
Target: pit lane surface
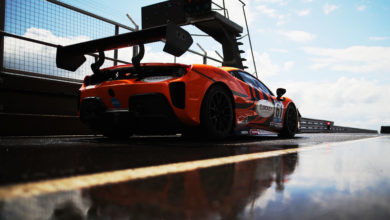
pixel 311 176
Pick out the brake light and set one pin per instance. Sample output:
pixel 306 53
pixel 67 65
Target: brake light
pixel 189 67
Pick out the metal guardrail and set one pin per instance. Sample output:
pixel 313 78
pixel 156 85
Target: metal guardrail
pixel 309 125
pixel 340 129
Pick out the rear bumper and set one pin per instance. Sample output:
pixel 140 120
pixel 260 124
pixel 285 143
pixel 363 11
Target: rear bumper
pixel 184 94
pixel 149 113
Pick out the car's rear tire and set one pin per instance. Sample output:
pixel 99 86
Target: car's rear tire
pixel 217 113
pixel 290 124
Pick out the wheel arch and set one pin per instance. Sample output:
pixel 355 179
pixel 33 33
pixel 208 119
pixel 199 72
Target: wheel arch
pixel 290 103
pixel 222 84
pixel 293 104
pixel 285 132
pixel 226 87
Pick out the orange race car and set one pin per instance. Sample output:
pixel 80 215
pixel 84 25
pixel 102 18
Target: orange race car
pixel 170 98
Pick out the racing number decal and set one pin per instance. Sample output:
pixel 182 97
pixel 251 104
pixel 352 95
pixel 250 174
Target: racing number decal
pixel 278 111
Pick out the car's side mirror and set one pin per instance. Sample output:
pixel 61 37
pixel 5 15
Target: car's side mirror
pixel 280 92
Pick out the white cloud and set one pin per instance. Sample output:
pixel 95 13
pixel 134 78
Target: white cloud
pixel 270 12
pixel 357 59
pixel 348 101
pixel 329 8
pixel 298 36
pixel 47 36
pixel 32 57
pixel 282 19
pixel 288 65
pixel 278 50
pixel 304 12
pixel 264 64
pixel 280 2
pixel 361 7
pixel 188 58
pixel 235 11
pixel 378 38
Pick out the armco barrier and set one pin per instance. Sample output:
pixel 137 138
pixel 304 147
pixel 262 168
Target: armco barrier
pixel 309 125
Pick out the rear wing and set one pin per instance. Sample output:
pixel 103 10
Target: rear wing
pixel 177 42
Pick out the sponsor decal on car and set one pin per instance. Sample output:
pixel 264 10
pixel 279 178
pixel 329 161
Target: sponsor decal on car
pixel 265 108
pixel 255 132
pixel 244 132
pixel 275 125
pixel 115 102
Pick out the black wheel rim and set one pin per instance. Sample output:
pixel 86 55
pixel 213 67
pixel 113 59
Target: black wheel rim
pixel 291 120
pixel 221 113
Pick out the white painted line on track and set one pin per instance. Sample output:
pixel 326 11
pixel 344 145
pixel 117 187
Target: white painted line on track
pixel 112 177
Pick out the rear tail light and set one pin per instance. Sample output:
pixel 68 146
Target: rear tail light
pixel 188 68
pixel 153 79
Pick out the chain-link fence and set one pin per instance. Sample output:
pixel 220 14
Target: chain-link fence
pixel 31 30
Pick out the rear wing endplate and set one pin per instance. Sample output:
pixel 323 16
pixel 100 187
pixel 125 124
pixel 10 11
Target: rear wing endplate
pixel 177 42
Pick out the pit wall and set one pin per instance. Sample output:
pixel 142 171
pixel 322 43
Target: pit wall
pixel 32 105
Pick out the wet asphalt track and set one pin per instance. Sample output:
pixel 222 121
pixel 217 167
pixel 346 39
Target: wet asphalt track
pixel 326 176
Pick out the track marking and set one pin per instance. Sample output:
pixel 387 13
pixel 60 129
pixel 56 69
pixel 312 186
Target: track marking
pixel 112 177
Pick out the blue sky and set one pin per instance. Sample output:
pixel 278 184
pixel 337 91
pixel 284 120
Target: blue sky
pixel 333 57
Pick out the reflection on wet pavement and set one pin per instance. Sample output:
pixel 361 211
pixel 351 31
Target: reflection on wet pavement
pixel 31 159
pixel 215 192
pixel 349 180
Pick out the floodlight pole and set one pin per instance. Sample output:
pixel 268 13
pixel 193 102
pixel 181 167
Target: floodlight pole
pixel 135 48
pixel 224 8
pixel 249 37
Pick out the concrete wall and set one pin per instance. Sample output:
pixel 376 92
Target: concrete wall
pixel 38 106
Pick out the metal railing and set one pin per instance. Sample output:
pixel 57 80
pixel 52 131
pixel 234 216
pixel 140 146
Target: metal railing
pixel 30 31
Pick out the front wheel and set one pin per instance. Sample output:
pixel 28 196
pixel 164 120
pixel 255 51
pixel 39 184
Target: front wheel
pixel 290 123
pixel 217 113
